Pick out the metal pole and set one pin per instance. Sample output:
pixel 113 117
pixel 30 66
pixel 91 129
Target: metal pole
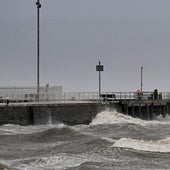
pixel 99 81
pixel 99 68
pixel 141 79
pixel 38 48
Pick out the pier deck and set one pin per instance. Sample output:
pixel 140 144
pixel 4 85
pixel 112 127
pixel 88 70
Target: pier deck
pixel 81 108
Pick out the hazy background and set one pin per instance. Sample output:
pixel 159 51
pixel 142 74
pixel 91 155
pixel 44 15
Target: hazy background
pixel 76 34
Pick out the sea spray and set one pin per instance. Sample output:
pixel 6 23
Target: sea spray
pixel 11 129
pixel 163 119
pixel 162 145
pixel 114 117
pixel 49 122
pixel 91 147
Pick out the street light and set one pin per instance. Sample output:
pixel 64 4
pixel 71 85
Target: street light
pixel 141 79
pixel 99 68
pixel 38 47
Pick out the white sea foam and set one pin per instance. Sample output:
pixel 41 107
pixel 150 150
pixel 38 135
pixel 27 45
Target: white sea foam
pixel 164 119
pixel 49 119
pixel 109 139
pixel 162 145
pixel 60 161
pixel 11 129
pixel 113 117
pixel 5 165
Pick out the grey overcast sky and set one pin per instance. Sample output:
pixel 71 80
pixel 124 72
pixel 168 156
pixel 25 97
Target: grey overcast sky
pixel 76 34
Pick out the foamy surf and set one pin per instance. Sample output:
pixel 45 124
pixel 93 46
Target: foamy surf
pixel 60 161
pixel 162 145
pixel 113 117
pixel 11 129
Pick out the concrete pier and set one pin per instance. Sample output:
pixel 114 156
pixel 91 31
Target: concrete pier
pixel 79 110
pixel 145 109
pixel 39 113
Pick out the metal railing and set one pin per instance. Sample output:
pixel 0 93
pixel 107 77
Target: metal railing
pixel 30 97
pixel 83 96
pixel 80 96
pixel 29 94
pixel 115 96
pixel 146 95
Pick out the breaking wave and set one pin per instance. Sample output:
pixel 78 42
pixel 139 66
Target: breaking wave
pixel 162 145
pixel 113 140
pixel 54 134
pixel 113 117
pixel 11 129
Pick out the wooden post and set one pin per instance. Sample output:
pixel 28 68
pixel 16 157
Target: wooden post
pixel 133 111
pixel 167 109
pixel 147 108
pixel 160 109
pixel 127 110
pixel 164 110
pixel 140 113
pixel 152 111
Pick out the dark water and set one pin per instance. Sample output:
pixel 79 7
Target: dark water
pixel 111 141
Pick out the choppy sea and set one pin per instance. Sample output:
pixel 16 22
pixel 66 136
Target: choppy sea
pixel 112 141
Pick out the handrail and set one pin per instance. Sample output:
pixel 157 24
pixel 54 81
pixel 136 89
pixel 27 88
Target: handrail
pixel 85 96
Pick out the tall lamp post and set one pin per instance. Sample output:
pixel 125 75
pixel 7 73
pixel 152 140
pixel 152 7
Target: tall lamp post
pixel 99 68
pixel 38 47
pixel 141 79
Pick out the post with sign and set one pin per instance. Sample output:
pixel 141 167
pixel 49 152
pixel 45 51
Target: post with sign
pixel 99 68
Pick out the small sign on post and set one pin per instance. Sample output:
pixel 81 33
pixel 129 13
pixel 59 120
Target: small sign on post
pixel 99 68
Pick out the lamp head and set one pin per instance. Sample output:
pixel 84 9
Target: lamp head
pixel 38 4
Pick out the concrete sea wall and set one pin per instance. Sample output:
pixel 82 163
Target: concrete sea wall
pixel 16 115
pixel 73 113
pixel 77 113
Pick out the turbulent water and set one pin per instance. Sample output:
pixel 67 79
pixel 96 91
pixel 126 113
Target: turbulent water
pixel 111 141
